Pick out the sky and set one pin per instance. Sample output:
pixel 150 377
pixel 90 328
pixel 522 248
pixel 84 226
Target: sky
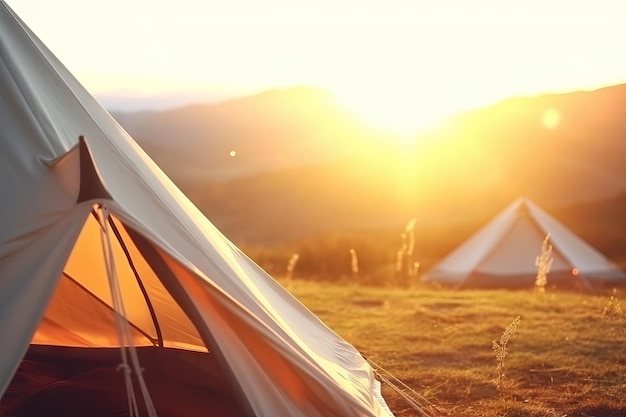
pixel 397 62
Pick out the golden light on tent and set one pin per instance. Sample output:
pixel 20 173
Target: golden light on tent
pixel 81 312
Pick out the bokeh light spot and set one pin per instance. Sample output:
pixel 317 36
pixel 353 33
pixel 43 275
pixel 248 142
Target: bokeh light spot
pixel 551 118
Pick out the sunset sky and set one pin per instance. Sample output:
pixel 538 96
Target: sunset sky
pixel 403 63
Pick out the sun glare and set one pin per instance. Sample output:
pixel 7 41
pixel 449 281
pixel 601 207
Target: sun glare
pixel 400 116
pixel 372 54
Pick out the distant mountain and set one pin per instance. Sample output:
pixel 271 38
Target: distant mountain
pixel 133 102
pixel 556 148
pixel 602 223
pixel 273 130
pixel 304 166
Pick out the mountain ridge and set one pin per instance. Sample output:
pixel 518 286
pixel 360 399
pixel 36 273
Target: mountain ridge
pixel 305 166
pixel 291 127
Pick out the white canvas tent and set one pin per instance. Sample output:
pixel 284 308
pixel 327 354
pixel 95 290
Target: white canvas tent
pixel 502 254
pixel 73 207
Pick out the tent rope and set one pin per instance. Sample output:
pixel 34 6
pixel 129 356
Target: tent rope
pixel 123 327
pixel 413 398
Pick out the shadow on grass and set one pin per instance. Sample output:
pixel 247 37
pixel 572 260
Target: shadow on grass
pixel 599 411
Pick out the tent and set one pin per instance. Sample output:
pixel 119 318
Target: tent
pixel 104 263
pixel 502 254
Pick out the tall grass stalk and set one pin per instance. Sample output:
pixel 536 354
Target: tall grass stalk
pixel 414 274
pixel 354 263
pixel 291 266
pixel 500 349
pixel 613 308
pixel 405 265
pixel 543 262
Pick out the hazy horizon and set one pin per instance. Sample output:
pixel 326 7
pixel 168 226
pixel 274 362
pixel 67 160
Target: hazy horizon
pixel 133 102
pixel 427 60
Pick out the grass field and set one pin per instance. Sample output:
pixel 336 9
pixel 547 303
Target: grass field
pixel 566 358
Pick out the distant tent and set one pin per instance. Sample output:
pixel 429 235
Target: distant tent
pixel 502 255
pixel 100 254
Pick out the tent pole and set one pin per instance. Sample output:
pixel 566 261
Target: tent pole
pixel 142 287
pixel 131 264
pixel 169 280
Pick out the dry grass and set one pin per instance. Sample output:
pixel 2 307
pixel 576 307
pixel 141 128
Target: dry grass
pixel 567 359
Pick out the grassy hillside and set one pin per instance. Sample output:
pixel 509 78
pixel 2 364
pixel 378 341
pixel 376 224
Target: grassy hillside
pixel 566 357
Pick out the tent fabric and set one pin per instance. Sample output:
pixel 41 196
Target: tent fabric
pixel 502 255
pixel 185 284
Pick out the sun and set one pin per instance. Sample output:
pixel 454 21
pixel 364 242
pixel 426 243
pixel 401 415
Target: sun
pixel 403 116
